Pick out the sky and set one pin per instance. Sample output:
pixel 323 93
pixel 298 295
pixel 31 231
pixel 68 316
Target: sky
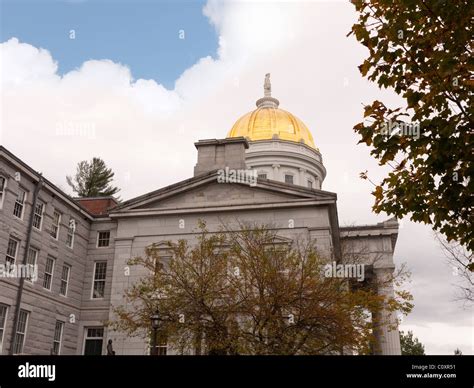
pixel 103 30
pixel 137 83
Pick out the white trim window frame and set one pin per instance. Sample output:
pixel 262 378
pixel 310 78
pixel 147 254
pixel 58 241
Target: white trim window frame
pixel 54 232
pixel 3 187
pixel 49 273
pixel 65 274
pixel 20 202
pixel 71 230
pixel 58 337
pixel 38 215
pixel 98 282
pixel 20 332
pixel 104 241
pixel 32 259
pixel 12 250
pixel 3 323
pixel 93 334
pixel 162 347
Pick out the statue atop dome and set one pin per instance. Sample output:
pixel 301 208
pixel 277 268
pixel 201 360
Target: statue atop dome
pixel 267 86
pixel 267 101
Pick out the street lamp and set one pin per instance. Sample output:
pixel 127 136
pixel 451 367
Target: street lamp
pixel 155 322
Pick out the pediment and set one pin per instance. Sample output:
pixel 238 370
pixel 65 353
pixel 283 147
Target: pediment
pixel 205 191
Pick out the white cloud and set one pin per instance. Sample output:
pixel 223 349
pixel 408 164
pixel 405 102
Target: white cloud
pixel 23 64
pixel 146 132
pixel 429 333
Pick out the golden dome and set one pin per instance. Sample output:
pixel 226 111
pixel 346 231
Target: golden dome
pixel 268 122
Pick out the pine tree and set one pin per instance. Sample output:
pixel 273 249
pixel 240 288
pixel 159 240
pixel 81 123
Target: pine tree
pixel 93 179
pixel 410 345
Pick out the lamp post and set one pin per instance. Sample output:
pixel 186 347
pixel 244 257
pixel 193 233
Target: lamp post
pixel 155 322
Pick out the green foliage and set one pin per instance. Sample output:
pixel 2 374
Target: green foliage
pixel 423 51
pixel 410 345
pixel 93 179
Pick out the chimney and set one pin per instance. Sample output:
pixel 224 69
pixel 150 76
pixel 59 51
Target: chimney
pixel 214 154
pixel 98 206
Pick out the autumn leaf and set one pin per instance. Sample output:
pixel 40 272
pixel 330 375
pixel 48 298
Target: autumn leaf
pixel 430 66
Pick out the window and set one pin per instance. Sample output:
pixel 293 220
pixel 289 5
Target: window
pixel 70 233
pixel 310 183
pixel 161 347
pixel 19 203
pixel 54 232
pixel 58 335
pixel 93 341
pixel 48 273
pixel 3 321
pixel 159 264
pixel 20 332
pixel 12 250
pixel 289 178
pixel 38 215
pixel 262 176
pixel 64 279
pixel 103 239
pixel 98 288
pixel 3 185
pixel 31 261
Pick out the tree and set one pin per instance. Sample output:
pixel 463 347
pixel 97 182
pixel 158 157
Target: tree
pixel 423 51
pixel 410 345
pixel 93 179
pixel 458 352
pixel 460 260
pixel 245 292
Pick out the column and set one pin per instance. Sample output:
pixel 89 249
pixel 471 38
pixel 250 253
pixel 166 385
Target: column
pixel 123 277
pixel 387 339
pixel 276 174
pixel 302 176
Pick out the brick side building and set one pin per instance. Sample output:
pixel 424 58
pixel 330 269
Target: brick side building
pixel 40 224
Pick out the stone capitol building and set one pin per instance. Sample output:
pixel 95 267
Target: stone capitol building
pixel 81 245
